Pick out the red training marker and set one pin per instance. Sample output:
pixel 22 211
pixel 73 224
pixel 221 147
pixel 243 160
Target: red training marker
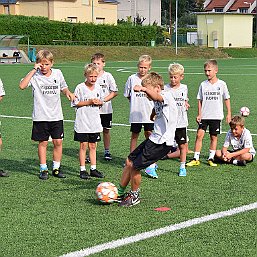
pixel 162 209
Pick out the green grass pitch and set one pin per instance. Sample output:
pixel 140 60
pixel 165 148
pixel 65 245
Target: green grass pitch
pixel 54 217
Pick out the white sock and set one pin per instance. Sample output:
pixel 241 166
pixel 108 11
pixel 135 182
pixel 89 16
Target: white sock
pixel 82 168
pixel 43 166
pixel 182 165
pixel 235 162
pixel 152 165
pixel 56 165
pixel 197 156
pixel 93 167
pixel 211 154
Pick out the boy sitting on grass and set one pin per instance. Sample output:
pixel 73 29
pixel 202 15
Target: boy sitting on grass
pixel 240 139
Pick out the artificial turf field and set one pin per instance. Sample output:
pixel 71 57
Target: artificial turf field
pixel 54 217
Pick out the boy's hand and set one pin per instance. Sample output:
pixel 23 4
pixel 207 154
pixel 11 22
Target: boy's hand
pixel 198 119
pixel 97 101
pixel 70 96
pixel 187 105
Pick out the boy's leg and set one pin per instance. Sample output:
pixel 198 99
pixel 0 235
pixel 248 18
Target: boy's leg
pixel 107 143
pixel 197 150
pixel 212 151
pixel 2 173
pixel 42 147
pixel 183 154
pixel 92 155
pixel 133 141
pixel 57 157
pixel 82 162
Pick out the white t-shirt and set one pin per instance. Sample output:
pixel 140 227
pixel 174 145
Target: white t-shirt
pixel 165 121
pixel 87 117
pixel 2 91
pixel 108 85
pixel 212 96
pixel 245 141
pixel 180 95
pixel 140 106
pixel 46 94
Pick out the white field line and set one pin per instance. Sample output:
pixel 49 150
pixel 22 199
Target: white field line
pixel 157 232
pixel 114 124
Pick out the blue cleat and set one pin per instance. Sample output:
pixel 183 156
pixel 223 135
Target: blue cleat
pixel 151 171
pixel 182 172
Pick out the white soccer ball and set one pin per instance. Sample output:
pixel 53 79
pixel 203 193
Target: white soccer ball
pixel 106 192
pixel 244 111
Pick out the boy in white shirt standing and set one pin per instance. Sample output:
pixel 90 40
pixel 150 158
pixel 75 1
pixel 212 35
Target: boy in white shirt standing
pixel 140 108
pixel 180 94
pixel 240 140
pixel 106 81
pixel 87 127
pixel 212 92
pixel 47 116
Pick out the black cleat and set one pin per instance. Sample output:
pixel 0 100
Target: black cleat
pixel 58 174
pixel 84 175
pixel 107 156
pixel 3 174
pixel 95 173
pixel 43 174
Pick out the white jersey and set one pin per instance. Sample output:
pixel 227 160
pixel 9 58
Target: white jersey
pixel 46 93
pixel 245 141
pixel 180 95
pixel 2 91
pixel 108 85
pixel 166 120
pixel 140 106
pixel 212 96
pixel 87 117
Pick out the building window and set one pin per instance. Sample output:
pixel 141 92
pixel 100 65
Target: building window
pixel 243 10
pixel 6 9
pixel 219 10
pixel 72 19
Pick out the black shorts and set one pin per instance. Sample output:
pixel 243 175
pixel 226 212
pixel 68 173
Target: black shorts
pixel 41 130
pixel 181 136
pixel 214 126
pixel 136 127
pixel 106 120
pixel 148 153
pixel 87 137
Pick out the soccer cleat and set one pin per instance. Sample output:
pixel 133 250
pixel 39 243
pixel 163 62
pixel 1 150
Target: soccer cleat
pixel 95 173
pixel 151 172
pixel 182 172
pixel 121 197
pixel 241 163
pixel 84 175
pixel 87 159
pixel 130 200
pixel 192 163
pixel 107 156
pixel 57 173
pixel 212 163
pixel 43 174
pixel 3 174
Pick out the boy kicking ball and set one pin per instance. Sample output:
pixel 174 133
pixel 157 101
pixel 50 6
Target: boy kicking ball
pixel 240 139
pixel 159 143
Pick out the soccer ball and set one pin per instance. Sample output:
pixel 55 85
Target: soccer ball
pixel 106 192
pixel 244 111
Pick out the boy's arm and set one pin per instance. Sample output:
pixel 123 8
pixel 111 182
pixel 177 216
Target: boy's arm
pixel 25 81
pixel 150 93
pixel 153 114
pixel 110 96
pixel 237 153
pixel 228 117
pixel 199 116
pixel 68 94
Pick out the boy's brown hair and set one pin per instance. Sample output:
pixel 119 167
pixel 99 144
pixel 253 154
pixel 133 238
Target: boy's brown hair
pixel 237 121
pixel 44 54
pixel 97 56
pixel 153 79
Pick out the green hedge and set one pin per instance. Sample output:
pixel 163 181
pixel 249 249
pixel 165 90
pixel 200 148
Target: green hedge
pixel 42 31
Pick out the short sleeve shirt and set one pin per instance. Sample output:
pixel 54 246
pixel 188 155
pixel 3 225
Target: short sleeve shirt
pixel 212 96
pixel 180 95
pixel 140 106
pixel 87 117
pixel 166 120
pixel 46 94
pixel 2 91
pixel 108 85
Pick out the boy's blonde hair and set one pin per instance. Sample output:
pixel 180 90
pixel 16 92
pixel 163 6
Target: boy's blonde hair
pixel 176 69
pixel 145 58
pixel 153 79
pixel 97 56
pixel 90 68
pixel 44 54
pixel 210 62
pixel 237 121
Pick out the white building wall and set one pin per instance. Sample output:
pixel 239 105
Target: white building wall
pixel 149 9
